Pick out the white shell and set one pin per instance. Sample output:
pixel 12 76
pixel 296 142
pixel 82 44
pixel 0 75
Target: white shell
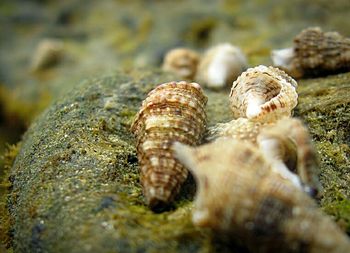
pixel 221 65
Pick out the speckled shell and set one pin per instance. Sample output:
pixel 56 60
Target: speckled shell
pixel 241 196
pixel 48 53
pixel 183 62
pixel 263 94
pixel 171 112
pixel 221 65
pixel 315 53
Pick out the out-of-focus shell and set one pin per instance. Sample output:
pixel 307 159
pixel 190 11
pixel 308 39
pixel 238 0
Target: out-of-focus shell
pixel 241 195
pixel 221 65
pixel 183 62
pixel 263 94
pixel 48 53
pixel 288 143
pixel 171 112
pixel 315 53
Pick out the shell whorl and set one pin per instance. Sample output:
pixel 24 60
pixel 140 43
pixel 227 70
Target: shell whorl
pixel 263 94
pixel 171 112
pixel 243 196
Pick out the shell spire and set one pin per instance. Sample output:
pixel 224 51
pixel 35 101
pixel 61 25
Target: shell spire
pixel 241 195
pixel 263 94
pixel 171 112
pixel 314 53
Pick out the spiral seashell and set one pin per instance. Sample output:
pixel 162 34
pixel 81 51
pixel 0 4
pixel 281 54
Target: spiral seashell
pixel 171 112
pixel 182 62
pixel 315 53
pixel 263 94
pixel 240 195
pixel 221 65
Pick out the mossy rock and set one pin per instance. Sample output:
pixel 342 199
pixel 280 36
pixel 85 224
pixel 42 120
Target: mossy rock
pixel 75 181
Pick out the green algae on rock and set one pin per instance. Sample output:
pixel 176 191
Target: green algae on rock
pixel 75 181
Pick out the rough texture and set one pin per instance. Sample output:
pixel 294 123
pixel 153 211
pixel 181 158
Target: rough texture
pixel 76 179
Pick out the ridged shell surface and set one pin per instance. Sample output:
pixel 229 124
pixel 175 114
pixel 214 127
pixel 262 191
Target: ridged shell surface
pixel 221 65
pixel 263 94
pixel 183 62
pixel 239 194
pixel 315 53
pixel 171 112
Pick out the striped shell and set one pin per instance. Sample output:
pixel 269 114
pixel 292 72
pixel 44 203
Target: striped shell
pixel 263 94
pixel 241 195
pixel 182 62
pixel 315 53
pixel 221 65
pixel 171 112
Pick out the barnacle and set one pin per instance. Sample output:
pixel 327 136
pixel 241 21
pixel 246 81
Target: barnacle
pixel 263 94
pixel 221 65
pixel 314 53
pixel 171 112
pixel 182 62
pixel 241 195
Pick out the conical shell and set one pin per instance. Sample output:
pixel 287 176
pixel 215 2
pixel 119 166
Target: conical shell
pixel 221 65
pixel 171 112
pixel 241 195
pixel 263 94
pixel 182 62
pixel 315 53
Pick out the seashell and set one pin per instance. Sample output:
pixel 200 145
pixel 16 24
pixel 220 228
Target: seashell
pixel 241 196
pixel 263 94
pixel 238 129
pixel 183 62
pixel 221 65
pixel 287 145
pixel 171 112
pixel 315 53
pixel 48 53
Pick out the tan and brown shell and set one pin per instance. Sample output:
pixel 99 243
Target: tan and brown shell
pixel 285 143
pixel 221 65
pixel 171 112
pixel 182 62
pixel 315 53
pixel 263 94
pixel 240 195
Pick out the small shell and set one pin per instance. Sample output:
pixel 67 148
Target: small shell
pixel 315 53
pixel 241 195
pixel 221 65
pixel 183 62
pixel 48 53
pixel 171 112
pixel 263 94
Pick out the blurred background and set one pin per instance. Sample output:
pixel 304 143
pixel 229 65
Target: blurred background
pixel 93 38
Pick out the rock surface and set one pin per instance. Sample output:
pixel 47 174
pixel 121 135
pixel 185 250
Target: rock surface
pixel 75 181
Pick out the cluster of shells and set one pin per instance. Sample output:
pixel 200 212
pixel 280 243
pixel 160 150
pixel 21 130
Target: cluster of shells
pixel 257 176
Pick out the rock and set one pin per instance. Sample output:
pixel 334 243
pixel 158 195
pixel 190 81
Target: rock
pixel 75 181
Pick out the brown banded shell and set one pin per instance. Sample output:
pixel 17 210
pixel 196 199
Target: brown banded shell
pixel 240 195
pixel 315 53
pixel 263 94
pixel 182 62
pixel 171 112
pixel 221 65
